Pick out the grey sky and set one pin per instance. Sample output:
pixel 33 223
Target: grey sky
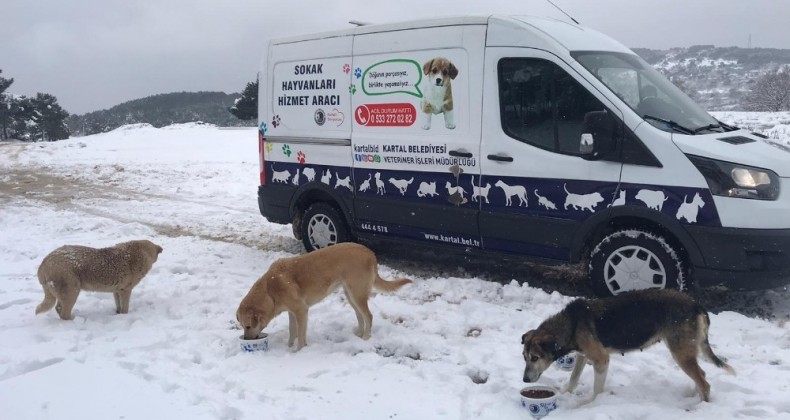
pixel 93 54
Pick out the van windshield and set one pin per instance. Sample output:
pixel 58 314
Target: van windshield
pixel 648 92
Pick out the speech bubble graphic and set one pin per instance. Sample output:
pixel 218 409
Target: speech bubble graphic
pixel 388 77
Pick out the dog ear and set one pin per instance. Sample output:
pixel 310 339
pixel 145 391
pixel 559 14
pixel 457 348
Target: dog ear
pixel 523 338
pixel 527 336
pixel 426 68
pixel 453 71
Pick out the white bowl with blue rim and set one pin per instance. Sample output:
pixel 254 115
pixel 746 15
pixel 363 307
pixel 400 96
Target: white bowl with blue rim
pixel 539 400
pixel 256 344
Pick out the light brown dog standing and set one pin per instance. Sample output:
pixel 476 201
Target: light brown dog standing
pixel 116 269
pixel 294 284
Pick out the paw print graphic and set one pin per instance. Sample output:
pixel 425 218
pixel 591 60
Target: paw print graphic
pixel 300 157
pixel 352 89
pixel 287 150
pixel 358 72
pixel 346 68
pixel 276 121
pixel 263 128
pixel 269 147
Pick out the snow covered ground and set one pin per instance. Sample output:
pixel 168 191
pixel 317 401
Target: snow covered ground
pixel 447 346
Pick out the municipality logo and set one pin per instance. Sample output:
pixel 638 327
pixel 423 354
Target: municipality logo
pixel 320 116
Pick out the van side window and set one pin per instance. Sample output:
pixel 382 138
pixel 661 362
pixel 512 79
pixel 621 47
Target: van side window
pixel 542 105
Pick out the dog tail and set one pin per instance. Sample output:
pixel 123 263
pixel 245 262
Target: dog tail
pixel 390 286
pixel 703 325
pixel 48 303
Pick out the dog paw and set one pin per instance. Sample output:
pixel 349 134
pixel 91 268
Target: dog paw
pixel 426 126
pixel 450 126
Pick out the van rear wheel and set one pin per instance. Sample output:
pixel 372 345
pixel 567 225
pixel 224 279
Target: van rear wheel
pixel 631 259
pixel 323 226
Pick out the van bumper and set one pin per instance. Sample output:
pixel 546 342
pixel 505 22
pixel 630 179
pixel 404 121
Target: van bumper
pixel 742 259
pixel 273 203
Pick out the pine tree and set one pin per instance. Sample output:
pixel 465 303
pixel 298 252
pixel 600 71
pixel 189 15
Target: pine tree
pixel 5 106
pixel 246 107
pixel 50 118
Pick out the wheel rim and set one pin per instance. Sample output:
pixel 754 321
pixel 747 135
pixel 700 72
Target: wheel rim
pixel 634 268
pixel 321 231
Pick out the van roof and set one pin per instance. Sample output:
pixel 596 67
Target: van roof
pixel 571 35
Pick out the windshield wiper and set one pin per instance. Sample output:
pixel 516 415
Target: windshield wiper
pixel 708 127
pixel 670 123
pixel 727 127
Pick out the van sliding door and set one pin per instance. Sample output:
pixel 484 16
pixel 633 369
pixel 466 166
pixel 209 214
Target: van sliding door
pixel 416 133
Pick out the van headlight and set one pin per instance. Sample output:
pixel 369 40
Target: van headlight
pixel 733 180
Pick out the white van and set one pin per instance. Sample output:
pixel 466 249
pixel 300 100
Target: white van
pixel 517 135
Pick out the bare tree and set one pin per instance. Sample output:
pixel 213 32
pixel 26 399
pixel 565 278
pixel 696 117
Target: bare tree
pixel 771 92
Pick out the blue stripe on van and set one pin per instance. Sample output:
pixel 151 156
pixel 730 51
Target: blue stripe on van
pixel 559 198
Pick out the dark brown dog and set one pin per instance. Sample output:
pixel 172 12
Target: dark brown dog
pixel 629 321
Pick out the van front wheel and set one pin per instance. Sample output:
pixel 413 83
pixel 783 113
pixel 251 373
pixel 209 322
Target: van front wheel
pixel 633 259
pixel 323 226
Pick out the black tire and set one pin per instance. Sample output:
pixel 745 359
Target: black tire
pixel 322 226
pixel 631 259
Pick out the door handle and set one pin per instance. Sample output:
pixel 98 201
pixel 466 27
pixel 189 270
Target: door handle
pixel 458 153
pixel 500 158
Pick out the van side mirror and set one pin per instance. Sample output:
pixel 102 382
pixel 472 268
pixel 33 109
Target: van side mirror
pixel 599 135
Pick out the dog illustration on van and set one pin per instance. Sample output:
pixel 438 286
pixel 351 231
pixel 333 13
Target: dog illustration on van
pixel 401 184
pixel 585 202
pixel 343 182
pixel 690 210
pixel 438 97
pixel 511 191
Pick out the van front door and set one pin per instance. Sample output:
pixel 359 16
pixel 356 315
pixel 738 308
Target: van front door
pixel 539 188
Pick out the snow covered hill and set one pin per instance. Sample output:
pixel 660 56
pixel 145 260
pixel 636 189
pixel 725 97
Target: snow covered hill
pixel 447 346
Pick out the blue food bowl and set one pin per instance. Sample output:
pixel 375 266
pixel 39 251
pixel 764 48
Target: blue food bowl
pixel 257 344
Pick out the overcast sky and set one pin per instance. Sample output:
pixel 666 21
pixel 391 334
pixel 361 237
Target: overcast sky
pixel 93 54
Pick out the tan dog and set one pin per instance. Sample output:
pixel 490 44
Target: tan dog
pixel 628 321
pixel 71 268
pixel 294 284
pixel 439 93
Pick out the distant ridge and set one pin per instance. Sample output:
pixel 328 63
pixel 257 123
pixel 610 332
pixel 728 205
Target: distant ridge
pixel 159 111
pixel 718 77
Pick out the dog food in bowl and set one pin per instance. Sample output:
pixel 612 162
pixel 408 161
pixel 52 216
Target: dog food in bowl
pixel 257 344
pixel 540 400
